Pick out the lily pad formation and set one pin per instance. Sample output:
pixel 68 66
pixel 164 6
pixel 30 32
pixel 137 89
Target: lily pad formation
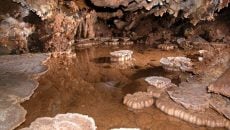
pixel 69 121
pixel 138 100
pixel 121 55
pixel 17 84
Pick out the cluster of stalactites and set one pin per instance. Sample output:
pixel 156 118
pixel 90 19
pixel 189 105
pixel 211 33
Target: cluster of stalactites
pixel 196 10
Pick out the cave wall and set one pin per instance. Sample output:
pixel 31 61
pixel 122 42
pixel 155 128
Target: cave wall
pixel 56 25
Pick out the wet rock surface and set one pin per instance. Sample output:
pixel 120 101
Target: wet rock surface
pixel 17 84
pixel 221 86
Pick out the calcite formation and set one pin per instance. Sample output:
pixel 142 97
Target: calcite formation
pixel 138 100
pixel 222 85
pixel 59 33
pixel 43 8
pixel 191 96
pixel 60 27
pixel 17 84
pixel 167 47
pixel 108 41
pixel 221 104
pixel 14 34
pixel 156 92
pixel 176 63
pixel 196 10
pixel 158 82
pixel 208 117
pixel 69 121
pixel 121 55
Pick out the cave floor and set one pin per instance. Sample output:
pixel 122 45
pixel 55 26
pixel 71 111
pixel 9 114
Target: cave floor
pixel 90 85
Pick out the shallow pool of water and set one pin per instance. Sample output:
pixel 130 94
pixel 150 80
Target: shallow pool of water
pixel 89 84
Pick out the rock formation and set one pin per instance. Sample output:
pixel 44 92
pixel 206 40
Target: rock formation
pixel 176 63
pixel 121 55
pixel 138 100
pixel 67 121
pixel 14 34
pixel 222 85
pixel 191 96
pixel 18 73
pixel 195 10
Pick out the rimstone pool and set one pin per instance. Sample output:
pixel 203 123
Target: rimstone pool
pixel 90 84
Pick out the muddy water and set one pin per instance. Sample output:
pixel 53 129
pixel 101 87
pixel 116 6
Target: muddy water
pixel 89 84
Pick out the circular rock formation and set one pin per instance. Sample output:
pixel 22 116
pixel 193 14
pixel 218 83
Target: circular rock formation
pixel 121 55
pixel 158 82
pixel 69 121
pixel 176 63
pixel 138 100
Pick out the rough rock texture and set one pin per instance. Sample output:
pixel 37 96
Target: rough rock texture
pixel 59 34
pixel 43 8
pixel 191 96
pixel 156 92
pixel 208 117
pixel 176 63
pixel 221 104
pixel 69 121
pixel 14 34
pixel 110 3
pixel 17 84
pixel 211 70
pixel 221 85
pixel 196 10
pixel 158 82
pixel 125 129
pixel 138 100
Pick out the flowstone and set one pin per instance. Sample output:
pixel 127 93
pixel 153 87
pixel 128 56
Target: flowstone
pixel 221 85
pixel 17 84
pixel 221 104
pixel 191 96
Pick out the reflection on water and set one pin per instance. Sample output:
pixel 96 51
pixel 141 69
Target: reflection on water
pixel 90 85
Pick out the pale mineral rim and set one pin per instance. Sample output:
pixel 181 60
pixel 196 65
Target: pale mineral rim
pixel 18 74
pixel 176 63
pixel 68 121
pixel 158 81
